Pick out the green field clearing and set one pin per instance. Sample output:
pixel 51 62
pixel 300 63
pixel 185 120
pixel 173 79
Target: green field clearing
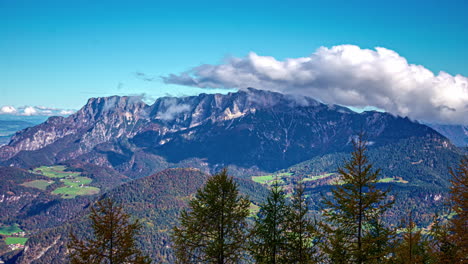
pixel 77 181
pixel 10 230
pixel 74 183
pixel 39 184
pixel 317 177
pixel 253 209
pixel 16 240
pixel 56 171
pixel 387 180
pixel 269 179
pixel 263 179
pixel 70 192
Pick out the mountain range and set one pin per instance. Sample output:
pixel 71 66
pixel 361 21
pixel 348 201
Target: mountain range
pixel 248 129
pixel 122 145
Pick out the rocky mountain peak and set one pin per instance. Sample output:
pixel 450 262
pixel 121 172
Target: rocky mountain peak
pixel 277 126
pixel 96 108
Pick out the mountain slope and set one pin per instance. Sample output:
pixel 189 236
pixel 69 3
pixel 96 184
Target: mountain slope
pixel 457 134
pixel 9 127
pixel 247 129
pixel 155 200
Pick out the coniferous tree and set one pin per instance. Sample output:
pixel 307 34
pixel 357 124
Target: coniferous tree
pixel 441 248
pixel 336 249
pixel 213 230
pixel 353 211
pixel 114 238
pixel 412 247
pixel 459 199
pixel 269 234
pixel 301 232
pixel 381 239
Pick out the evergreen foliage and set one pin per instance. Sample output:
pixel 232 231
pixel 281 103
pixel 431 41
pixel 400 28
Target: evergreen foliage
pixel 353 213
pixel 114 241
pixel 441 248
pixel 459 198
pixel 301 235
pixel 213 230
pixel 269 234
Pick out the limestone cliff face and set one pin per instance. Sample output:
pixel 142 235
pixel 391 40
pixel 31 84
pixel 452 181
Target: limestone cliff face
pixel 100 120
pixel 105 119
pixel 247 128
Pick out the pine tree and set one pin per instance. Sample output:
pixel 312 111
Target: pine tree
pixel 114 238
pixel 459 198
pixel 354 209
pixel 269 238
pixel 214 229
pixel 301 235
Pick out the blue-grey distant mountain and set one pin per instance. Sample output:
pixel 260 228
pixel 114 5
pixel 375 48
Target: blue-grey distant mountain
pixel 458 134
pixel 8 127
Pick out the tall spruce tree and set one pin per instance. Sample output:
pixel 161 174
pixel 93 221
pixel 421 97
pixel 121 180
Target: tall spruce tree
pixel 301 232
pixel 214 229
pixel 353 211
pixel 459 199
pixel 114 238
pixel 269 234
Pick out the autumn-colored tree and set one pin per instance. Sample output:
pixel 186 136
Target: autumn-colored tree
pixel 412 247
pixel 354 210
pixel 114 238
pixel 441 248
pixel 214 228
pixel 381 239
pixel 459 199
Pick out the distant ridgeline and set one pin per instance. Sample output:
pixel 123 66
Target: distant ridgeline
pixel 120 146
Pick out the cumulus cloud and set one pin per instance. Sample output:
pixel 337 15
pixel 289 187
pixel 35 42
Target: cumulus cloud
pixel 35 111
pixel 29 111
pixel 8 109
pixel 345 75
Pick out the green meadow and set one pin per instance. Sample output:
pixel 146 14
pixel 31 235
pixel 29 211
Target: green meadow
pixel 10 230
pixel 387 180
pixel 317 177
pixel 16 240
pixel 56 171
pixel 38 184
pixel 269 179
pixel 75 184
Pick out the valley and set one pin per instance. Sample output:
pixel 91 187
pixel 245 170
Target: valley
pixel 152 163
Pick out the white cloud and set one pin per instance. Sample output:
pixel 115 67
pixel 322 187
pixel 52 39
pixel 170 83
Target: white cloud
pixel 8 109
pixel 29 111
pixel 66 112
pixel 346 75
pixel 35 111
pixel 170 109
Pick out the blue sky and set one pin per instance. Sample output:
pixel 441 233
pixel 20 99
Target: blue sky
pixel 60 53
